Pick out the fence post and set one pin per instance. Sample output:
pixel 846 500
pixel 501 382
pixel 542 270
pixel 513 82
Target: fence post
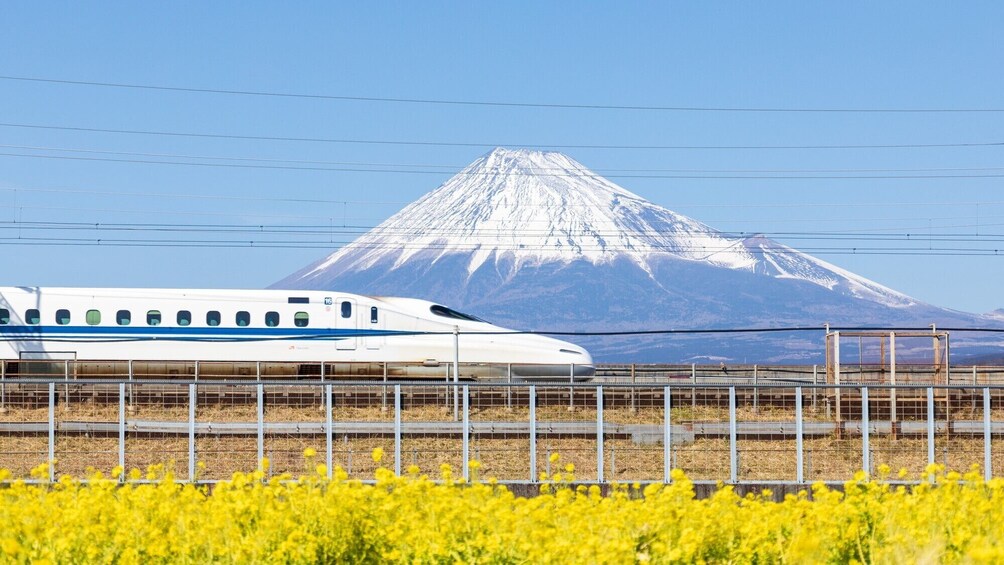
pixel 66 379
pixel 733 453
pixel 52 430
pixel 599 433
pixel 814 383
pixel 260 410
pixel 3 386
pixel 930 425
pixel 799 467
pixel 987 462
pixel 893 416
pixel 328 431
pixel 693 390
pixel 508 390
pixel 533 433
pixel 122 429
pixel 756 390
pixel 667 437
pixel 192 395
pixel 131 392
pixel 865 447
pixel 467 433
pixel 397 430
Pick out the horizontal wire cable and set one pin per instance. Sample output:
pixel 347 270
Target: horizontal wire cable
pixel 491 174
pixel 497 144
pixel 490 103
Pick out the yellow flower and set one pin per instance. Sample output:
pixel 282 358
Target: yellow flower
pixel 309 452
pixel 377 454
pixel 554 458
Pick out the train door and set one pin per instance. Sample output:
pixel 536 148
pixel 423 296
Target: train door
pixel 348 322
pixel 376 325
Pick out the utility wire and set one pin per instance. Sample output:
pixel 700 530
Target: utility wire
pixel 497 144
pixel 492 103
pixel 459 169
pixel 489 173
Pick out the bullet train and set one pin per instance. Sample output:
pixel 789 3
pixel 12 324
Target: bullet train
pixel 298 328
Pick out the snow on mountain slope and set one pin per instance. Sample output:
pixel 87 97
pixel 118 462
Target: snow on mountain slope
pixel 515 209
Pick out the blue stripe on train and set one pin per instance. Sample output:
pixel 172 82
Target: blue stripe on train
pixel 182 333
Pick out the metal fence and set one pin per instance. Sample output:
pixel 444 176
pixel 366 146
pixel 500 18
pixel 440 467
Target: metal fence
pixel 518 433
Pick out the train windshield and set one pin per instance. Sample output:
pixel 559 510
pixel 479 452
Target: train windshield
pixel 449 313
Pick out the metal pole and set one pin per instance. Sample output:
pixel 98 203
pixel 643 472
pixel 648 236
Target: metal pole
pixel 988 471
pixel 456 372
pixel 693 390
pixel 733 453
pixel 397 429
pixel 599 434
pixel 196 370
pixel 865 448
pixel 130 384
pixel 467 433
pixel 799 461
pixel 328 430
pixel 815 369
pixel 836 370
pixel 533 433
pixel 257 370
pixel 3 386
pixel 66 378
pixel 892 377
pixel 383 401
pixel 52 431
pixel 508 390
pixel 122 428
pixel 634 405
pixel 930 424
pixel 571 383
pixel 261 422
pixel 191 431
pixel 667 437
pixel 756 391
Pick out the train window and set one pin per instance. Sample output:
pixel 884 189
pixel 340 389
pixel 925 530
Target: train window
pixel 184 318
pixel 4 316
pixel 62 316
pixel 243 319
pixel 123 317
pixel 93 317
pixel 212 318
pixel 373 314
pixel 346 309
pixel 299 300
pixel 271 319
pixel 301 319
pixel 153 318
pixel 32 316
pixel 449 313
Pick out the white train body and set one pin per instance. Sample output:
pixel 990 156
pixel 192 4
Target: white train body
pixel 262 325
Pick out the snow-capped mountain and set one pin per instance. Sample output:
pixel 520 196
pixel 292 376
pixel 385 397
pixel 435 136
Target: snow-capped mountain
pixel 535 240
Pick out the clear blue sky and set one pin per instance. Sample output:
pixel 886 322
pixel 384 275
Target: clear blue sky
pixel 847 55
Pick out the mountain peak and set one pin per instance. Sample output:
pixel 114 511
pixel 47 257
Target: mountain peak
pixel 517 208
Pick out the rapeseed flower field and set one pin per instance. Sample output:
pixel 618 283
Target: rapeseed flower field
pixel 150 517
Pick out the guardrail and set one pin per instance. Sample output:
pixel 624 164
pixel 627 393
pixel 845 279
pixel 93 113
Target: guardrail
pixel 776 433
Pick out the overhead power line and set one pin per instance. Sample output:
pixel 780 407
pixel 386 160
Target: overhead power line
pixel 458 169
pixel 497 144
pixel 525 174
pixel 497 103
